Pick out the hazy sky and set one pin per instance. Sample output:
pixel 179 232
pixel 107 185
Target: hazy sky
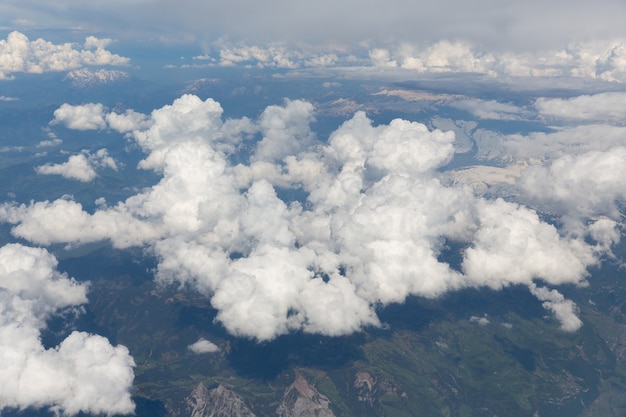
pixel 495 24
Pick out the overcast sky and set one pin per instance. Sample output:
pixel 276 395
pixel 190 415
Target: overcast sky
pixel 493 24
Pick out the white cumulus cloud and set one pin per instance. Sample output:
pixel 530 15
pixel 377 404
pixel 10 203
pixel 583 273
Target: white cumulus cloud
pixel 82 117
pixel 84 373
pixel 81 167
pixel 19 54
pixel 203 346
pixel 372 230
pixel 564 310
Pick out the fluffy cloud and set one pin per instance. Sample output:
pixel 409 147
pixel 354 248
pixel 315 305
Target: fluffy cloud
pixel 203 346
pixel 276 56
pixel 382 58
pixel 282 139
pixel 370 228
pixel 573 172
pixel 19 54
pixel 81 167
pixel 513 246
pixel 53 141
pixel 564 310
pixel 95 116
pixel 579 186
pixel 445 56
pixel 273 56
pixel 84 373
pixel 82 117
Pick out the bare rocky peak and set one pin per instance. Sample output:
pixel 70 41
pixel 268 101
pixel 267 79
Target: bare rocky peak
pixel 370 389
pixel 216 402
pixel 303 400
pixel 86 78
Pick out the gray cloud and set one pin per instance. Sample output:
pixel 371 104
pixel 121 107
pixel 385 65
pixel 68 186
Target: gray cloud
pixel 531 25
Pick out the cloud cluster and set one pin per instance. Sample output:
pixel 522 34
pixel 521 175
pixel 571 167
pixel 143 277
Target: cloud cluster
pixel 275 55
pixel 81 167
pixel 84 373
pixel 262 57
pixel 574 171
pixel 601 60
pixel 19 54
pixel 285 232
pixel 579 186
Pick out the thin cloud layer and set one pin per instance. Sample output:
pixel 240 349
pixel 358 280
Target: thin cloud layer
pixel 84 373
pixel 371 229
pixel 499 24
pixel 609 107
pixel 19 54
pixel 489 109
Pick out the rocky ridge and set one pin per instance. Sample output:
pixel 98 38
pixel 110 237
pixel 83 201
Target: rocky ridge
pixel 216 402
pixel 303 400
pixel 300 399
